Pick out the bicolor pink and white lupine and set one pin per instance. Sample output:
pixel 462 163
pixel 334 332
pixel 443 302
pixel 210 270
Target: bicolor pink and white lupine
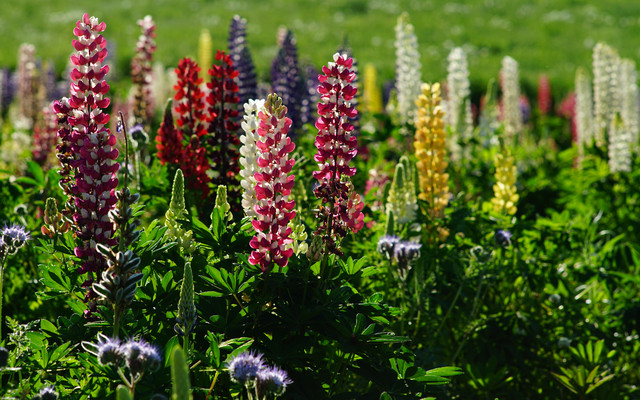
pixel 341 208
pixel 249 155
pixel 91 155
pixel 273 209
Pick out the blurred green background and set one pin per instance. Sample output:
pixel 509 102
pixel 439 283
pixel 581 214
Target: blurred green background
pixel 547 36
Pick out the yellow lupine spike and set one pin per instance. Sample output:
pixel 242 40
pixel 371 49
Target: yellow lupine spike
pixel 505 195
pixel 430 149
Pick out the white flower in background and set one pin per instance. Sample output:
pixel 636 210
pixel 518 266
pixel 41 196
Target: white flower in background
pixel 619 149
pixel 584 107
pixel 511 111
pixel 606 69
pixel 408 69
pixel 629 100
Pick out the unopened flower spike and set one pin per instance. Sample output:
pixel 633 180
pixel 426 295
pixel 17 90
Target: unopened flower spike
pixel 187 317
pixel 176 212
pixel 221 202
pixel 402 200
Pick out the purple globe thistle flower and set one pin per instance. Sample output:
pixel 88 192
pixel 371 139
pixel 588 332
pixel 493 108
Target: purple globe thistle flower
pixel 14 237
pixel 404 252
pixel 110 352
pixel 503 237
pixel 244 367
pixel 141 356
pixel 272 380
pixel 387 244
pixel 47 393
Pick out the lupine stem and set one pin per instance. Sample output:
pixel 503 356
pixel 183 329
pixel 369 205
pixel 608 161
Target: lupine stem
pixel 4 259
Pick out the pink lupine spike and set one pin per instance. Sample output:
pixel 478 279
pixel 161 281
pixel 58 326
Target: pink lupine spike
pixel 88 162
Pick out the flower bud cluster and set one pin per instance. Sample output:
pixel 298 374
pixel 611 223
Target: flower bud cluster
pixel 401 251
pixel 12 238
pixel 137 355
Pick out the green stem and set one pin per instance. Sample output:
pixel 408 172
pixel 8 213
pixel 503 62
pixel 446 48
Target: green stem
pixel 213 383
pixel 4 259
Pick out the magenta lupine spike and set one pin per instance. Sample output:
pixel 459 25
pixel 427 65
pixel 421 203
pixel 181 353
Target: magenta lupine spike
pixel 92 144
pixel 336 142
pixel 44 135
pixel 273 210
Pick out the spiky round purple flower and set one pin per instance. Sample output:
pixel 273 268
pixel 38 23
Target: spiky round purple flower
pixel 110 352
pixel 272 380
pixel 48 393
pixel 406 251
pixel 141 356
pixel 244 367
pixel 386 245
pixel 503 237
pixel 14 236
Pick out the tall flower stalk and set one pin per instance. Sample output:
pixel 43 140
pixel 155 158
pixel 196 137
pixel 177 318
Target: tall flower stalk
pixel 242 60
pixel 223 139
pixel 274 209
pixel 286 78
pixel 89 153
pixel 606 101
pixel 629 100
pixel 249 155
pixel 141 72
pixel 457 99
pixel 583 112
pixel 408 69
pixel 511 111
pixel 431 151
pixel 341 208
pixel 505 197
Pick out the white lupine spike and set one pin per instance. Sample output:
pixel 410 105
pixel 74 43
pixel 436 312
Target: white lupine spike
pixel 408 69
pixel 249 154
pixel 619 146
pixel 606 69
pixel 629 100
pixel 458 87
pixel 584 105
pixel 512 114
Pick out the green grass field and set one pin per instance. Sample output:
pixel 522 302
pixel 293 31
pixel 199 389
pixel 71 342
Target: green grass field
pixel 547 36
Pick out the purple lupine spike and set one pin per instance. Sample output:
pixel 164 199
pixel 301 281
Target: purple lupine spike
pixel 310 97
pixel 285 77
pixel 141 75
pixel 242 60
pixel 7 89
pixel 87 152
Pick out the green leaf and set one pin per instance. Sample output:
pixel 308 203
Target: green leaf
pixel 385 396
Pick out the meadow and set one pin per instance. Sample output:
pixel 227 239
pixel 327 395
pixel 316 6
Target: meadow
pixel 442 206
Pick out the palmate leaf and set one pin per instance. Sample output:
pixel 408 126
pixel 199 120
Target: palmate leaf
pixel 435 376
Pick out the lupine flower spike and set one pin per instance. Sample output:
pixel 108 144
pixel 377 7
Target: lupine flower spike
pixel 187 317
pixel 286 78
pixel 629 100
pixel 242 61
pixel 431 151
pixel 511 111
pixel 12 238
pixel 141 72
pixel 606 101
pixel 408 69
pixel 372 93
pixel 458 99
pixel 274 209
pixel 341 207
pixel 583 111
pixel 176 212
pixel 401 200
pixel 505 197
pixel 88 152
pixel 249 155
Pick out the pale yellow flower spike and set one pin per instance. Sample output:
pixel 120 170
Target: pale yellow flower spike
pixel 431 151
pixel 505 196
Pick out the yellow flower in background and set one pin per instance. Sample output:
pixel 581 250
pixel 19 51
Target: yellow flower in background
pixel 504 190
pixel 205 53
pixel 430 149
pixel 372 94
